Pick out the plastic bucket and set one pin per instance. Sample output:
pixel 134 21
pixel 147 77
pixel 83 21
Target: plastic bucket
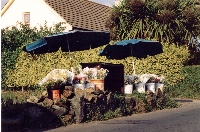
pixel 128 89
pixel 140 87
pixel 160 86
pixel 89 85
pixel 151 86
pixel 81 86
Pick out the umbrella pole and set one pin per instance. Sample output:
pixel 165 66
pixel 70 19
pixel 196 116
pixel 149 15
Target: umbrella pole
pixel 132 61
pixel 70 58
pixel 133 67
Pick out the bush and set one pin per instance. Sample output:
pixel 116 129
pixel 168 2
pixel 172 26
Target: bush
pixel 31 69
pixel 190 86
pixel 14 38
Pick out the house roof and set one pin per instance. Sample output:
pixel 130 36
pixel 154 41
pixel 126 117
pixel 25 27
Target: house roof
pixel 82 14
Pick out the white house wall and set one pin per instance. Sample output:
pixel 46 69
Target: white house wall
pixel 39 13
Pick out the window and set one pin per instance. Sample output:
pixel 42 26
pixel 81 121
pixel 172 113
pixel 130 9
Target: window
pixel 26 18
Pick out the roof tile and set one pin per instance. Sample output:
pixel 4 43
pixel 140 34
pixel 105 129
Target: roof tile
pixel 83 14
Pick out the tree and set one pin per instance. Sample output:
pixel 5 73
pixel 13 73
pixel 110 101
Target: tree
pixel 165 20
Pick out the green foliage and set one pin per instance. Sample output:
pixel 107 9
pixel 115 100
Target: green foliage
pixel 190 86
pixel 143 105
pixel 165 102
pixel 14 38
pixel 29 70
pixel 165 20
pixel 168 64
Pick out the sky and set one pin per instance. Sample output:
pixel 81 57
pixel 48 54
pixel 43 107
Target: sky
pixel 104 2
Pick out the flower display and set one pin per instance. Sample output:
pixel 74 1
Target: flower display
pixel 132 79
pixel 79 79
pixel 94 73
pixel 160 79
pixel 152 79
pixel 128 80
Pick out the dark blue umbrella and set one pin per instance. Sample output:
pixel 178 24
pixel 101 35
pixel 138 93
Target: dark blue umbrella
pixel 139 48
pixel 69 42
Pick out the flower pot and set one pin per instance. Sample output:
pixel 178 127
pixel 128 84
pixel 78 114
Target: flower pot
pixel 89 85
pixel 128 89
pixel 81 86
pixel 151 86
pixel 140 87
pixel 98 84
pixel 160 86
pixel 56 94
pixel 53 93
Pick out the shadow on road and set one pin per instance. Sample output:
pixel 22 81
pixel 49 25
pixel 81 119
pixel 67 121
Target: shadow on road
pixel 183 100
pixel 130 122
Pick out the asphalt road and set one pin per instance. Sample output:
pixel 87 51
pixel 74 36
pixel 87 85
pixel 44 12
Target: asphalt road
pixel 183 119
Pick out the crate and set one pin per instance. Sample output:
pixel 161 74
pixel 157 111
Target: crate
pixel 114 81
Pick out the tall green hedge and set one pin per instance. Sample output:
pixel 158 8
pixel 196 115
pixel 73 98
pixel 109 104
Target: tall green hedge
pixel 190 86
pixel 30 70
pixel 21 69
pixel 13 38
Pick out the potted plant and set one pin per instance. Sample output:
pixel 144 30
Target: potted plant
pixel 128 84
pixel 53 88
pixel 96 76
pixel 150 84
pixel 139 84
pixel 79 82
pixel 160 82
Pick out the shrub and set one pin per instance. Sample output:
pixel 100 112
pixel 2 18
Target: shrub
pixel 190 86
pixel 12 40
pixel 31 69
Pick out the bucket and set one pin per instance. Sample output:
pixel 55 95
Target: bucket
pixel 140 87
pixel 98 84
pixel 160 86
pixel 89 85
pixel 56 94
pixel 151 86
pixel 81 86
pixel 128 89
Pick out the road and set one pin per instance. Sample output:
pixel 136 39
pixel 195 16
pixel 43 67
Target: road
pixel 183 119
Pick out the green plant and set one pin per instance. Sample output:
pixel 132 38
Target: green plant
pixel 53 84
pixel 151 80
pixel 12 41
pixel 95 73
pixel 166 20
pixel 128 80
pixel 190 86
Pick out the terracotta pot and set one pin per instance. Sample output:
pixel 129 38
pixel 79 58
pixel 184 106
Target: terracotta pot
pixel 56 94
pixel 98 84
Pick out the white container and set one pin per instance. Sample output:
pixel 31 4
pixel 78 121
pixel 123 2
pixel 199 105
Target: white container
pixel 160 86
pixel 89 85
pixel 81 86
pixel 128 89
pixel 151 86
pixel 140 87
